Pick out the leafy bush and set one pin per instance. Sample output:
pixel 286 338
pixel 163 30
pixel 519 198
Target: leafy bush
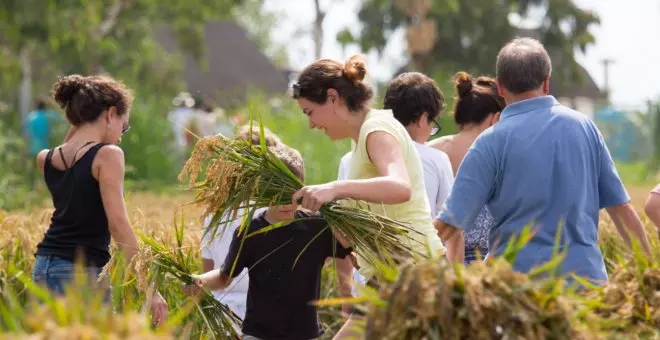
pixel 17 171
pixel 150 160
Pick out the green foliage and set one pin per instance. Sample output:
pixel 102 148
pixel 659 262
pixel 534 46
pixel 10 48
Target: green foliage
pixel 470 33
pixel 148 147
pixel 18 171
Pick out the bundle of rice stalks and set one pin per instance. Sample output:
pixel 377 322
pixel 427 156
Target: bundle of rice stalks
pixel 211 317
pixel 240 175
pixel 441 300
pixel 631 299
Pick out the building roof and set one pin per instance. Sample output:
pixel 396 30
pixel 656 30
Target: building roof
pixel 233 63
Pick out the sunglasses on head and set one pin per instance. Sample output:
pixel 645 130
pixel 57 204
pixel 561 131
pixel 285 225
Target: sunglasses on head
pixel 296 90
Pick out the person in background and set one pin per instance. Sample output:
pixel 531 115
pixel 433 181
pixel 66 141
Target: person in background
pixel 85 177
pixel 180 118
pixel 215 249
pixel 652 207
pixel 477 108
pixel 38 128
pixel 543 165
pixel 416 102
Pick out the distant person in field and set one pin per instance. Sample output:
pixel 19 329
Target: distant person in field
pixel 384 170
pixel 543 165
pixel 85 177
pixel 39 127
pixel 478 107
pixel 180 118
pixel 215 249
pixel 652 207
pixel 416 102
pixel 281 290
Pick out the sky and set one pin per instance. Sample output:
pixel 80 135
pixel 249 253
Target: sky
pixel 629 34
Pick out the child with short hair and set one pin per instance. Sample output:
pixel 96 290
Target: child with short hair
pixel 215 249
pixel 282 286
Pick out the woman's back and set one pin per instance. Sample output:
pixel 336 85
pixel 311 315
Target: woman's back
pixel 455 146
pixel 79 221
pixel 478 107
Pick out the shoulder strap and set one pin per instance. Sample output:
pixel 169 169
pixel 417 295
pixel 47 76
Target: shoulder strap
pixel 75 155
pixel 59 148
pixel 49 157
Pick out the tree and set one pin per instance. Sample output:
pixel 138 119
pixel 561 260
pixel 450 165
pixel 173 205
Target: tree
pixel 258 23
pixel 46 38
pixel 470 34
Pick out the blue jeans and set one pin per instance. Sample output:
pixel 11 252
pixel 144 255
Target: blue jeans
pixel 56 272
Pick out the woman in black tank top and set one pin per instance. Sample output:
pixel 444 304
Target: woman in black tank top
pixel 85 177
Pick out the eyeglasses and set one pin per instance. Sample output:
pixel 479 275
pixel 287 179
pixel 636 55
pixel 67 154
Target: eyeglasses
pixel 436 129
pixel 125 129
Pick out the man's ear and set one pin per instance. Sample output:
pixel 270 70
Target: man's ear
pixel 546 85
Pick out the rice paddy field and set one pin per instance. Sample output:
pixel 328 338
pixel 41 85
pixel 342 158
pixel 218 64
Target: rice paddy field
pixel 433 300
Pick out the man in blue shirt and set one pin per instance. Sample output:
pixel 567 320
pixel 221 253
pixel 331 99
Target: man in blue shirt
pixel 542 164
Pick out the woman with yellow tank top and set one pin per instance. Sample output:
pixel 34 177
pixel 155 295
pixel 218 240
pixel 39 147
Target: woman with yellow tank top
pixel 385 170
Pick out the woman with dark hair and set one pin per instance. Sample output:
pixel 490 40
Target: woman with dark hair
pixel 85 177
pixel 384 169
pixel 477 108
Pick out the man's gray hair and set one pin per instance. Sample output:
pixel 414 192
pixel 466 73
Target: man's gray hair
pixel 522 65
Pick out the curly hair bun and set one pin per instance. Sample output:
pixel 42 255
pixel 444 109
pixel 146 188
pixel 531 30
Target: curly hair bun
pixel 463 83
pixel 355 69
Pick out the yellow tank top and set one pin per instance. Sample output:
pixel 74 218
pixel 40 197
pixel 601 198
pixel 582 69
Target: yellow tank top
pixel 416 212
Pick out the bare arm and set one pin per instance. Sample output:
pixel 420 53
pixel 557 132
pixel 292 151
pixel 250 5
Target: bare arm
pixel 111 183
pixel 213 280
pixel 345 275
pixel 393 184
pixel 109 165
pixel 41 160
pixel 207 265
pixel 652 209
pixel 627 223
pixel 453 239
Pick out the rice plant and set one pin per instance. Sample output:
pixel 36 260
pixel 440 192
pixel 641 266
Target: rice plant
pixel 241 176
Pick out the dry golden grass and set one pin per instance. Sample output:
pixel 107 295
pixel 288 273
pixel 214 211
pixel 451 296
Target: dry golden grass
pixel 155 215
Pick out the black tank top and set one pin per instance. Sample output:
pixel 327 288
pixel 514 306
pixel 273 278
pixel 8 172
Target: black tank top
pixel 79 222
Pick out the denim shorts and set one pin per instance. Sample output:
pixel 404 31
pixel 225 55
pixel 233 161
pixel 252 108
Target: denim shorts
pixel 55 273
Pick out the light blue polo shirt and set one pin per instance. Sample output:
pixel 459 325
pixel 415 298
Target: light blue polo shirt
pixel 543 164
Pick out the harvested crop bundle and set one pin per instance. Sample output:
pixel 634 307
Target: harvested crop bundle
pixel 216 318
pixel 440 300
pixel 632 298
pixel 240 175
